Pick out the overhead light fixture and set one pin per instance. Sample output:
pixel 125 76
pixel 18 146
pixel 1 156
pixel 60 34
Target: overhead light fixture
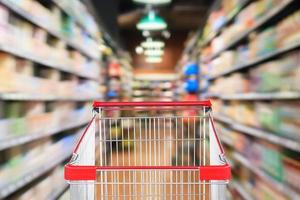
pixel 139 50
pixel 152 22
pixel 154 52
pixel 153 59
pixel 153 2
pixel 166 34
pixel 149 43
pixel 146 33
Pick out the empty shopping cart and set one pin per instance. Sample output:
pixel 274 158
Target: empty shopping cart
pixel 172 151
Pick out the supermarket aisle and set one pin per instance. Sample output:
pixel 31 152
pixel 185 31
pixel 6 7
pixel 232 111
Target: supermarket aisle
pixel 58 56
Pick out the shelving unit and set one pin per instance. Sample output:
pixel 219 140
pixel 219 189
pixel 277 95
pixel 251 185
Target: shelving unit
pixel 35 20
pixel 9 143
pixel 238 64
pixel 279 186
pixel 28 178
pixel 51 71
pixel 228 19
pixel 59 192
pixel 37 97
pixel 245 195
pixel 49 63
pixel 153 90
pixel 256 61
pixel 269 136
pixel 282 187
pixel 267 17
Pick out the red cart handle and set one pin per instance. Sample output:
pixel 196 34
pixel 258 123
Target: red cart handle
pixel 152 103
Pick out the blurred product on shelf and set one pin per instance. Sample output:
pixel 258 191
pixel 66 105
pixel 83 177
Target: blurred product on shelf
pixel 31 119
pixel 278 117
pixel 274 161
pixel 23 164
pixel 279 75
pixel 245 20
pixel 191 85
pixel 190 69
pixel 149 90
pixel 119 80
pixel 249 57
pixel 49 188
pixel 21 76
pixel 57 23
pixel 218 18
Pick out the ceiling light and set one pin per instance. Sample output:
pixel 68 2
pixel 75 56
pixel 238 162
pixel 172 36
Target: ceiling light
pixel 152 22
pixel 146 33
pixel 153 2
pixel 166 34
pixel 154 52
pixel 149 43
pixel 139 50
pixel 153 59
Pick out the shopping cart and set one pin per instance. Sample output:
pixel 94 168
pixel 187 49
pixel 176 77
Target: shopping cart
pixel 128 156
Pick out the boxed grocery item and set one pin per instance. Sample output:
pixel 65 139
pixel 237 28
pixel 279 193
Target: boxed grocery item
pixel 1 110
pixel 34 108
pixel 40 123
pixel 277 75
pixel 272 160
pixel 289 120
pixel 281 118
pixel 18 126
pixel 24 67
pixel 4 15
pixel 13 109
pixel 287 30
pixel 268 116
pixel 7 64
pixel 292 172
pixel 263 190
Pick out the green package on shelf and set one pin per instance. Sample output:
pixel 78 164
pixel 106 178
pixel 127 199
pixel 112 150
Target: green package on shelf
pixel 269 119
pixel 18 126
pixel 13 110
pixel 67 25
pixel 269 82
pixel 273 163
pixel 1 110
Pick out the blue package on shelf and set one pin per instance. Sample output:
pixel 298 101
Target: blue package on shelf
pixel 191 85
pixel 112 94
pixel 191 69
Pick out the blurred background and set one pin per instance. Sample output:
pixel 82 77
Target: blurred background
pixel 57 56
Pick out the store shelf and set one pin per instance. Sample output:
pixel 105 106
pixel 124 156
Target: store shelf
pixel 257 60
pixel 14 7
pixel 23 54
pixel 257 96
pixel 227 141
pixel 28 178
pixel 55 195
pixel 269 136
pixel 42 97
pixel 266 18
pixel 277 185
pixel 229 18
pixel 240 189
pixel 8 143
pixel 68 12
